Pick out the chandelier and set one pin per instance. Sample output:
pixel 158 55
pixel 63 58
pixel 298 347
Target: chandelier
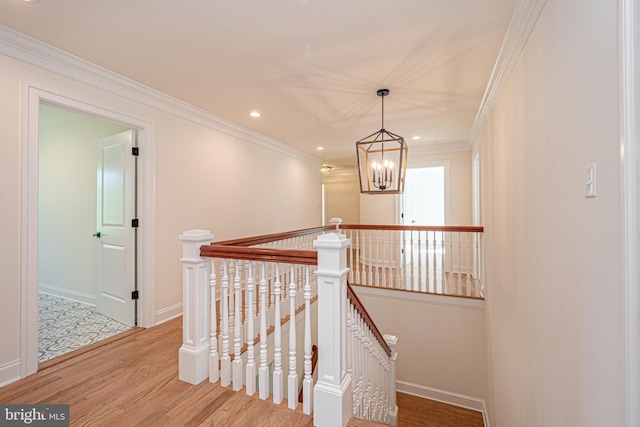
pixel 382 160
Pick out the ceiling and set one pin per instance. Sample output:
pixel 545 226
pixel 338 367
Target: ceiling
pixel 311 67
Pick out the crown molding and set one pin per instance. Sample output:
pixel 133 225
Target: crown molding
pixel 31 51
pixel 523 20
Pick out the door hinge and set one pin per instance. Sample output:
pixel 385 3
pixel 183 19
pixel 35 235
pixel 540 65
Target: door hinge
pixel 135 151
pixel 135 295
pixel 134 223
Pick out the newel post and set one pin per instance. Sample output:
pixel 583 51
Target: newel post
pixel 193 355
pixel 332 392
pixel 392 341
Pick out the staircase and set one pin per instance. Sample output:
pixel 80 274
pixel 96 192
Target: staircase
pixel 254 309
pixel 263 285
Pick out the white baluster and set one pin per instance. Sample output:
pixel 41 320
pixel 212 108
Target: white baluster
pixel 214 370
pixel 263 371
pixel 435 262
pixel 357 366
pixel 384 258
pixel 468 266
pixel 403 259
pixel 442 265
pixel 232 311
pixel 370 263
pixel 376 262
pixel 398 259
pixel 237 330
pixel 420 284
pixel 250 376
pixel 225 360
pixel 350 260
pixel 278 378
pixel 307 383
pixel 293 375
pixel 412 262
pixel 451 272
pixel 356 266
pixel 459 264
pixel 367 374
pixel 427 275
pixel 271 303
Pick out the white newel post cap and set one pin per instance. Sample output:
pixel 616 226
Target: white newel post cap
pixel 331 256
pixel 336 222
pixel 191 242
pixel 391 341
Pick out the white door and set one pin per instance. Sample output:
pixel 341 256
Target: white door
pixel 115 234
pixel 424 203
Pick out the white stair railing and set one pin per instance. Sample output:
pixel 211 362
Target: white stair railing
pixel 371 362
pixel 223 349
pixel 431 259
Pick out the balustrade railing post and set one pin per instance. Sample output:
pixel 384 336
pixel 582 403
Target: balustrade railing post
pixel 332 393
pixel 193 364
pixel 392 341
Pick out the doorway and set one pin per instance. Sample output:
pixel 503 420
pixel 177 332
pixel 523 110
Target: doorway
pixel 33 97
pixel 71 303
pixel 425 200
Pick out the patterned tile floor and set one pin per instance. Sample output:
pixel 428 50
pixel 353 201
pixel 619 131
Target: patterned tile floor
pixel 65 326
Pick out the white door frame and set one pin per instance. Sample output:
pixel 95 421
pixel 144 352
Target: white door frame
pixel 629 54
pixel 32 97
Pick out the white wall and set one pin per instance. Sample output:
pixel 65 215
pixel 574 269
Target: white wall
pixel 67 202
pixel 204 179
pixel 342 196
pixel 555 325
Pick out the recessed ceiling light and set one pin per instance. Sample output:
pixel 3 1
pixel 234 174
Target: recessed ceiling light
pixel 31 1
pixel 319 148
pixel 255 114
pixel 415 137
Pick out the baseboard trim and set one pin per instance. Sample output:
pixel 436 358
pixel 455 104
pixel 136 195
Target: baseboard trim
pixel 168 313
pixel 67 294
pixel 455 399
pixel 9 372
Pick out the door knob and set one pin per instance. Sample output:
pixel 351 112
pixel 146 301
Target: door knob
pixel 96 235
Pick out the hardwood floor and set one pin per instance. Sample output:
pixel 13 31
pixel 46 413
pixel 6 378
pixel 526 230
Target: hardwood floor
pixel 415 411
pixel 133 381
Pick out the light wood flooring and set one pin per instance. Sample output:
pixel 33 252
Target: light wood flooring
pixel 133 381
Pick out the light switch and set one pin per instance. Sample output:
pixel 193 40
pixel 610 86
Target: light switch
pixel 590 180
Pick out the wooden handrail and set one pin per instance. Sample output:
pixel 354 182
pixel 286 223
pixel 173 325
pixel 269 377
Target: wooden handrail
pixel 449 228
pixel 274 237
pixel 289 256
pixel 367 318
